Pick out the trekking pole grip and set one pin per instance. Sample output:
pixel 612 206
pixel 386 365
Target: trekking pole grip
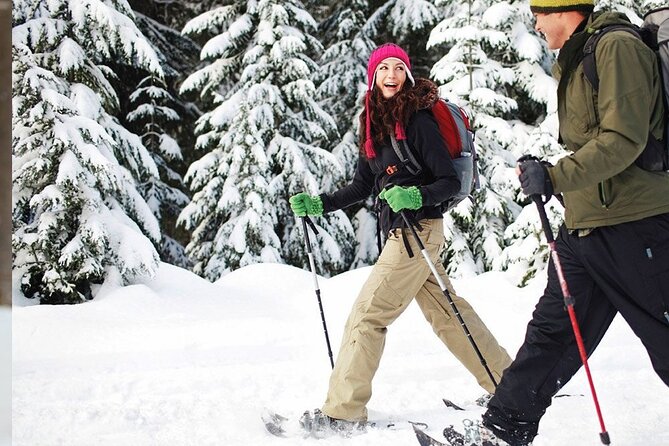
pixel 545 224
pixel 306 234
pixel 306 222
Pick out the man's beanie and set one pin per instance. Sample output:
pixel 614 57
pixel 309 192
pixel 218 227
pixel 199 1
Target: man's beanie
pixel 549 6
pixel 378 55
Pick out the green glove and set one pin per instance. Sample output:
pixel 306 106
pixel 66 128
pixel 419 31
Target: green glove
pixel 304 204
pixel 399 197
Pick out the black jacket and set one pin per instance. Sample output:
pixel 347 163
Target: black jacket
pixel 437 182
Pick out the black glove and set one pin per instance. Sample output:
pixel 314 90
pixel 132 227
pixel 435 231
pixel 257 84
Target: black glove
pixel 534 178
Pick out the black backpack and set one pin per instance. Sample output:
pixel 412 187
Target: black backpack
pixel 655 34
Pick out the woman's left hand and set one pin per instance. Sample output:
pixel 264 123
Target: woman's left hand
pixel 399 197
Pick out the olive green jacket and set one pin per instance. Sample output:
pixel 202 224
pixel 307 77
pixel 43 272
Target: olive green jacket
pixel 607 131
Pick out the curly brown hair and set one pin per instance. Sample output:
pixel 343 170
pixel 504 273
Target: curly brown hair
pixel 385 113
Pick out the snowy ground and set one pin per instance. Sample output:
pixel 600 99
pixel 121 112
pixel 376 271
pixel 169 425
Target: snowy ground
pixel 181 361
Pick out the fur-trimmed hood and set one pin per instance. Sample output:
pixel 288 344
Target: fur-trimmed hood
pixel 427 91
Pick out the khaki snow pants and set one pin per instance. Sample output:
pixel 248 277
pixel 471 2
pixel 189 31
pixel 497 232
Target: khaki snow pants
pixel 394 281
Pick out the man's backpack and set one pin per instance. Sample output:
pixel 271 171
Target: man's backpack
pixel 459 140
pixel 655 34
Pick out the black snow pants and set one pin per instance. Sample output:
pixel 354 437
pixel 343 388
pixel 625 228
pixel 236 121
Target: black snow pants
pixel 622 268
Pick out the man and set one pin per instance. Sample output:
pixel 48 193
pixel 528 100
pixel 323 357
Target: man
pixel 614 245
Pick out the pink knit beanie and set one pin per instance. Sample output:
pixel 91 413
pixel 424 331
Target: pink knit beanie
pixel 381 53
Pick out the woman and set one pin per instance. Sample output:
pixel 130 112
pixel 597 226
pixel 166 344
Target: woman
pixel 397 105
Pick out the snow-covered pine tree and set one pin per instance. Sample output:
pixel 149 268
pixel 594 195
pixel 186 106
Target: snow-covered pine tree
pixel 634 9
pixel 525 253
pixel 174 13
pixel 78 218
pixel 342 82
pixel 261 138
pixel 178 55
pixel 153 118
pixel 342 79
pixel 491 66
pixel 406 22
pixel 644 6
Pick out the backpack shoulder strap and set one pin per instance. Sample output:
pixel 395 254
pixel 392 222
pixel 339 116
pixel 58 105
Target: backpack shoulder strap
pixel 589 62
pixel 409 160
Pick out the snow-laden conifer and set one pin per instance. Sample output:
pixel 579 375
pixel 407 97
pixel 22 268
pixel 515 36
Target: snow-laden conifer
pixel 644 6
pixel 408 24
pixel 261 141
pixel 401 18
pixel 524 253
pixel 634 9
pixel 153 117
pixel 78 218
pixel 342 82
pixel 497 67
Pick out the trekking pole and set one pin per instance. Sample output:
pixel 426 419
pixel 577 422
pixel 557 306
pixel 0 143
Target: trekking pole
pixel 312 265
pixel 569 302
pixel 442 285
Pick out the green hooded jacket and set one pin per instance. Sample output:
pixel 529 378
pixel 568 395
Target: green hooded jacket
pixel 606 131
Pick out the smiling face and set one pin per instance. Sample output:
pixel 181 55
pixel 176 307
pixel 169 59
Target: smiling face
pixel 390 76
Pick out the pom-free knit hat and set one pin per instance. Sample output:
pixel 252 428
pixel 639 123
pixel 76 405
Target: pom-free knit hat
pixel 381 53
pixel 549 6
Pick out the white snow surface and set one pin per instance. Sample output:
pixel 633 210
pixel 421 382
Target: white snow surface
pixel 181 361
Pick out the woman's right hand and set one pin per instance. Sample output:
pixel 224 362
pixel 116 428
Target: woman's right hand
pixel 304 204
